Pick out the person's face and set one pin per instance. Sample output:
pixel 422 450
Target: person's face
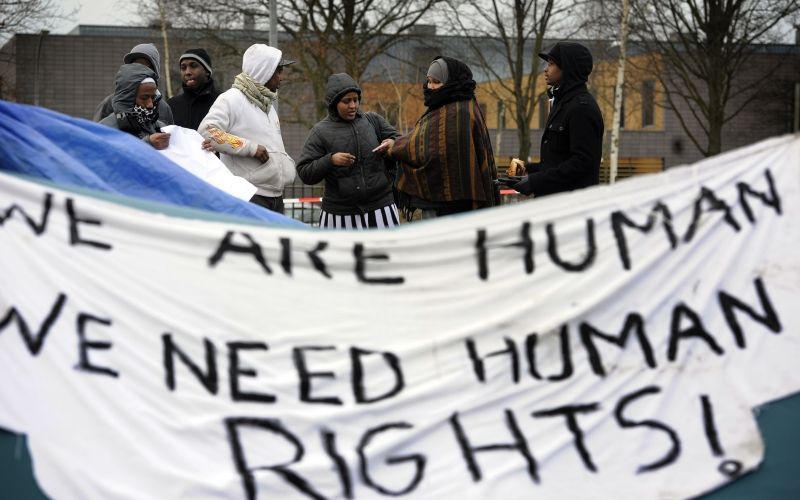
pixel 552 73
pixel 274 83
pixel 193 74
pixel 347 106
pixel 433 83
pixel 146 95
pixel 144 62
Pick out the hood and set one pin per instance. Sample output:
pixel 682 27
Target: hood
pixel 127 83
pixel 574 60
pixel 457 71
pixel 260 62
pixel 338 85
pixel 460 85
pixel 146 50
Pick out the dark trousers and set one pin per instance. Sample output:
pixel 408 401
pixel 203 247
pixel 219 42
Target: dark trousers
pixel 274 203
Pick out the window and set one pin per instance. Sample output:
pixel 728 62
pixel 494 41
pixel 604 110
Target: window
pixel 544 110
pixel 501 115
pixel 648 103
pixel 482 105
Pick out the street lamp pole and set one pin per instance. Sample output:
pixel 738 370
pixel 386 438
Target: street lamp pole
pixel 42 34
pixel 273 23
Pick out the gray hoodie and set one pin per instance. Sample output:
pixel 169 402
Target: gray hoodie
pixel 149 52
pixel 128 79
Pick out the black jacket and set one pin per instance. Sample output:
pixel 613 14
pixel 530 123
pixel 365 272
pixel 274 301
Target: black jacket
pixel 190 107
pixel 365 186
pixel 572 142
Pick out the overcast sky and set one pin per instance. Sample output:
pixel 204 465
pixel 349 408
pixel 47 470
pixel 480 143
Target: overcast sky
pixel 123 12
pixel 96 12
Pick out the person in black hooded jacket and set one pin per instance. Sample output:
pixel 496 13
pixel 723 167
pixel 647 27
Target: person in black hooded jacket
pixel 572 141
pixel 342 150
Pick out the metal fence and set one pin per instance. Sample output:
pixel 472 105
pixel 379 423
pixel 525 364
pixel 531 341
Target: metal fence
pixel 303 202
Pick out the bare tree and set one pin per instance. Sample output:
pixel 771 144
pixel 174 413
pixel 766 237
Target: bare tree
pixel 27 15
pixel 326 37
pixel 622 42
pixel 505 38
pixel 698 49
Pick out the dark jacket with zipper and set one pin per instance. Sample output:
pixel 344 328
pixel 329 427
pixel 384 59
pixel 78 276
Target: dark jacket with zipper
pixel 357 189
pixel 190 107
pixel 572 142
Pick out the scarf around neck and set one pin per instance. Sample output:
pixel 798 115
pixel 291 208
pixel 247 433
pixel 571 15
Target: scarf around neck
pixel 146 118
pixel 258 94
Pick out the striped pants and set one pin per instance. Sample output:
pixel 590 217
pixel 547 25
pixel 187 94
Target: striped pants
pixel 381 218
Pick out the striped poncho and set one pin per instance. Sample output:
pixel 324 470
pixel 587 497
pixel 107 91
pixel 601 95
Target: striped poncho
pixel 447 157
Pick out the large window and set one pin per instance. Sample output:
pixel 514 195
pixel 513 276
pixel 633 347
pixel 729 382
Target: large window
pixel 648 103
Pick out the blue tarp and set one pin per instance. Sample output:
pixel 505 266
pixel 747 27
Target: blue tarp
pixel 71 151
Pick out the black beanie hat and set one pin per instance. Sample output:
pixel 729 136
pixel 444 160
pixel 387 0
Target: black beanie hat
pixel 199 55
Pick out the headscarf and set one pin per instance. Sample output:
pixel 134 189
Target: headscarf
pixel 459 86
pixel 438 70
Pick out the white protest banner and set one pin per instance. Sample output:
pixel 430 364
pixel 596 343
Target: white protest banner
pixel 185 149
pixel 608 343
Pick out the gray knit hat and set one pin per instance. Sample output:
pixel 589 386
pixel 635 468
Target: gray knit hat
pixel 438 70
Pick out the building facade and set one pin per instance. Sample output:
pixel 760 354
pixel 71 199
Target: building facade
pixel 72 73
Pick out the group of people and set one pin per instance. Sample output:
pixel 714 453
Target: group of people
pixel 373 175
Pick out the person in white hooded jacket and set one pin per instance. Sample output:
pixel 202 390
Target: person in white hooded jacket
pixel 243 126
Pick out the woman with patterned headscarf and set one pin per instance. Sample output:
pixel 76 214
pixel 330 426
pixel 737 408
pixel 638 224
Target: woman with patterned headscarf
pixel 135 105
pixel 446 162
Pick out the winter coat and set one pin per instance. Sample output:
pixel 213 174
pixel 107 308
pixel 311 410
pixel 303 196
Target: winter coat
pixel 128 79
pixel 572 142
pixel 237 127
pixel 362 187
pixel 190 107
pixel 150 52
pixel 446 162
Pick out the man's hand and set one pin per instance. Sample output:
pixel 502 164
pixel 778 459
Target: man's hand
pixel 384 146
pixel 516 167
pixel 159 140
pixel 343 159
pixel 207 145
pixel 261 154
pixel 524 186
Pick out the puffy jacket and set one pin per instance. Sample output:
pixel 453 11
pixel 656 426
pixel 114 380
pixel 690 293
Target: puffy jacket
pixel 363 187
